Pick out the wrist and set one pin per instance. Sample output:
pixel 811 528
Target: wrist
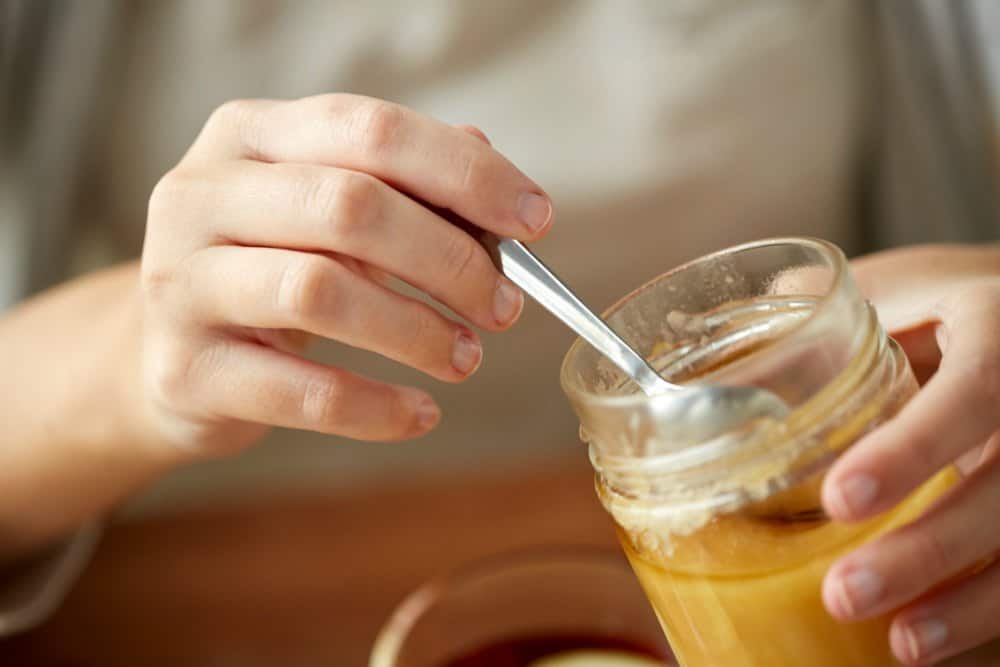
pixel 76 441
pixel 132 429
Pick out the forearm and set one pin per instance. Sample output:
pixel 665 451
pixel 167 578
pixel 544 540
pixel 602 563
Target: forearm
pixel 73 441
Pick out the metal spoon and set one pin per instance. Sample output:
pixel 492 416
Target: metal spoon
pixel 701 411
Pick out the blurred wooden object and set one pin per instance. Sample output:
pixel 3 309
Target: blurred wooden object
pixel 306 580
pixel 296 580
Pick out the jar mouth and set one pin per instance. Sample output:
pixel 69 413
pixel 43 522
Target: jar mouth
pixel 837 283
pixel 783 315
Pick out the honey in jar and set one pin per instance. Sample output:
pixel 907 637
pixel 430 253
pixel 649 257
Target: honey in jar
pixel 727 534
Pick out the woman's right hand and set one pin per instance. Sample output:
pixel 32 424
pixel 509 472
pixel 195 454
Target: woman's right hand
pixel 287 218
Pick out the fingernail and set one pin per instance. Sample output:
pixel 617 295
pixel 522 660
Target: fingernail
pixel 466 354
pixel 428 413
pixel 534 210
pixel 854 495
pixel 858 591
pixel 507 302
pixel 922 639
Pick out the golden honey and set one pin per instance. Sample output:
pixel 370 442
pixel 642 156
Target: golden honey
pixel 745 592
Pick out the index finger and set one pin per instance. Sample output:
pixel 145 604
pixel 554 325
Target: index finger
pixel 958 409
pixel 440 164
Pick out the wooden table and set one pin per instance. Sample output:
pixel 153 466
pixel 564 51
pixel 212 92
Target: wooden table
pixel 301 580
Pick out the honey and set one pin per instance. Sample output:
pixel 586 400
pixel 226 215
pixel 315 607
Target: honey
pixel 745 591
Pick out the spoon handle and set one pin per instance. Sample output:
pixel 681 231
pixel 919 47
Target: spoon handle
pixel 530 274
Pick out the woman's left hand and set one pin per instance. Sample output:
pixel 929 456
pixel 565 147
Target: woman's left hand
pixel 942 303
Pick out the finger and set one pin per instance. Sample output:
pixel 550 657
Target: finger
pixel 438 163
pixel 370 272
pixel 296 341
pixel 476 132
pixel 310 207
pixel 886 279
pixel 906 563
pixel 284 289
pixel 958 409
pixel 253 383
pixel 920 345
pixel 951 622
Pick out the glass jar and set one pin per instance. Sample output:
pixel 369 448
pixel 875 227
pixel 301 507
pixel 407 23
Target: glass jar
pixel 728 536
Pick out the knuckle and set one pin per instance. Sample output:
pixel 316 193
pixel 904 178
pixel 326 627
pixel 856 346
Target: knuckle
pixel 323 402
pixel 420 333
pixel 171 371
pixel 241 118
pixel 460 253
pixel 353 203
pixel 318 197
pixel 155 282
pixel 304 288
pixel 171 192
pixel 183 197
pixel 931 552
pixel 476 132
pixel 225 114
pixel 333 105
pixel 376 125
pixel 472 170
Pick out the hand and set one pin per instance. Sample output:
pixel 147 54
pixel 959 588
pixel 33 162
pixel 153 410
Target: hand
pixel 286 219
pixel 943 306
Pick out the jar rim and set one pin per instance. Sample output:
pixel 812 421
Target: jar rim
pixel 838 263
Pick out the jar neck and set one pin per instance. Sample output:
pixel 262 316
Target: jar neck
pixel 767 456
